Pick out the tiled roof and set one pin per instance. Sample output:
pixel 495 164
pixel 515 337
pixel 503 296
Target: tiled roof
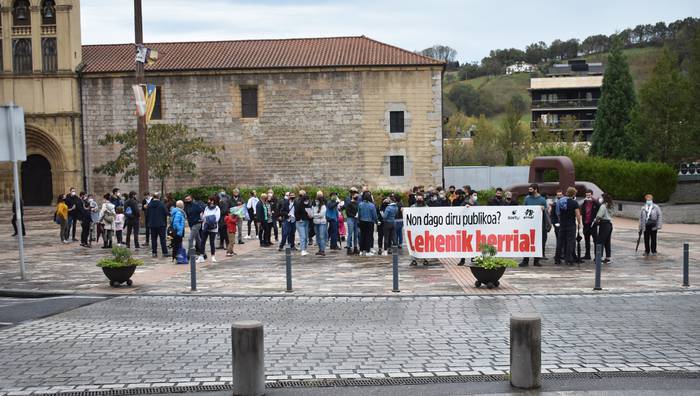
pixel 254 54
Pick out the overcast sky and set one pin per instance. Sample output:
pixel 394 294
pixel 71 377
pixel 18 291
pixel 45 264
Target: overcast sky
pixel 472 27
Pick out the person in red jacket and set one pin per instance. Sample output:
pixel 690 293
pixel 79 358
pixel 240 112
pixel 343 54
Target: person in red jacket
pixel 231 221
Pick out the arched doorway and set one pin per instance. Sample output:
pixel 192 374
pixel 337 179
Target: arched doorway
pixel 37 182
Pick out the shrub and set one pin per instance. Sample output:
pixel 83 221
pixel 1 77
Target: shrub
pixel 624 180
pixel 202 193
pixel 121 257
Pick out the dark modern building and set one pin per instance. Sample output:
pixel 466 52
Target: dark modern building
pixel 570 89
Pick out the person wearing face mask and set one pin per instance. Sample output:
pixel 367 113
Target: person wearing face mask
pixel 603 220
pixel 508 200
pixel 72 201
pixel 589 209
pixel 473 199
pixel 351 222
pixel 459 198
pixel 210 225
pixel 534 198
pixel 552 209
pixel 650 222
pixel 367 214
pixel 235 197
pixel 319 211
pixel 144 204
pixel 287 214
pixel 224 208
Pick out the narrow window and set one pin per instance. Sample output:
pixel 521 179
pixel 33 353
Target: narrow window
pixel 48 12
pixel 22 55
pixel 396 121
pixel 249 102
pixel 396 165
pixel 49 54
pixel 157 107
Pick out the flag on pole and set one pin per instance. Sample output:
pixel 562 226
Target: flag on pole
pixel 150 101
pixel 140 100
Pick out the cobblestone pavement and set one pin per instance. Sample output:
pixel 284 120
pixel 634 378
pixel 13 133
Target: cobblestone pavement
pixel 152 341
pixel 256 271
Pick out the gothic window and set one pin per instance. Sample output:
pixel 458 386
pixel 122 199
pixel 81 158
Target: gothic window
pixel 48 12
pixel 22 55
pixel 20 13
pixel 49 54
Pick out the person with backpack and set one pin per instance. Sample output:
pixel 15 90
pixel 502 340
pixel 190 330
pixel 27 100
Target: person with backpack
pixel 650 222
pixel 389 224
pixel 332 220
pixel 287 214
pixel 302 211
pixel 177 224
pixel 351 222
pixel 210 225
pixel 156 220
pixel 569 214
pixel 133 218
pixel 119 224
pixel 107 217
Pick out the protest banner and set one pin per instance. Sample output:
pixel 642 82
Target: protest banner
pixel 441 232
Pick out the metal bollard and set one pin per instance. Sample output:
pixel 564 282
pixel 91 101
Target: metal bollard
pixel 193 269
pixel 395 266
pixel 598 258
pixel 248 358
pixel 686 269
pixel 525 350
pixel 288 264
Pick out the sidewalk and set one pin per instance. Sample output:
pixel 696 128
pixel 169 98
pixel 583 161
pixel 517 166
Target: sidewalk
pixel 261 271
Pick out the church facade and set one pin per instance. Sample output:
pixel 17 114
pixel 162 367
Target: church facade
pixel 324 111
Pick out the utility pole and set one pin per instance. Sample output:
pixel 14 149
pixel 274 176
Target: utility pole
pixel 142 153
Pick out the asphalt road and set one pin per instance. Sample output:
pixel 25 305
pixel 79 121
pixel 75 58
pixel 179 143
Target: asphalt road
pixel 17 310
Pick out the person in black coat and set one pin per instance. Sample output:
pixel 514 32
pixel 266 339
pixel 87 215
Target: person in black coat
pixel 14 216
pixel 132 214
pixel 85 219
pixel 156 221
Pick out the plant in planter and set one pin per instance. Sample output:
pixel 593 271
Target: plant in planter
pixel 487 268
pixel 120 267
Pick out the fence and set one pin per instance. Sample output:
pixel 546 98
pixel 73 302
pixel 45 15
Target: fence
pixel 485 177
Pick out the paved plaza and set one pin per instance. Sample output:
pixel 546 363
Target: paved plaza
pixel 155 341
pixel 256 271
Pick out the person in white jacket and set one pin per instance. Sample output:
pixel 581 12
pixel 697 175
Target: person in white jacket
pixel 107 218
pixel 650 222
pixel 318 212
pixel 210 226
pixel 251 207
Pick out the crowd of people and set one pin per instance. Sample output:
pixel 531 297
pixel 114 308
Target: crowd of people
pixel 329 220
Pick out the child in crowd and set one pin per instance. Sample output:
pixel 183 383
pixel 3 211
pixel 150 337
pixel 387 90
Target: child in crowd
pixel 119 224
pixel 231 220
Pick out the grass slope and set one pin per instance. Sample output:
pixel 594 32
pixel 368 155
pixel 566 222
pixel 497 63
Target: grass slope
pixel 641 61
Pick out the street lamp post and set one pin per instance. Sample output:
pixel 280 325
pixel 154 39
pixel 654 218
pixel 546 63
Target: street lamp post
pixel 142 153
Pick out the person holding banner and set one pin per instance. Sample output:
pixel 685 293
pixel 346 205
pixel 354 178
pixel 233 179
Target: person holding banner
pixel 534 198
pixel 389 224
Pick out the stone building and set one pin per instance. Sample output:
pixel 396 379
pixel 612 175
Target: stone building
pixel 325 111
pixel 40 54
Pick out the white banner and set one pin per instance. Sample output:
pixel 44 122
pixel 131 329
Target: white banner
pixel 440 232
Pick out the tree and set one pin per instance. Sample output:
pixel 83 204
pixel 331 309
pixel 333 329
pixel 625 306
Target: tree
pixel 455 150
pixel 440 52
pixel 616 102
pixel 171 147
pixel 513 139
pixel 485 149
pixel 472 102
pixel 694 87
pixel 536 53
pixel 663 119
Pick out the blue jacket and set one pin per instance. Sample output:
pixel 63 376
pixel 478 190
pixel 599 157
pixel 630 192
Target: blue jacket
pixel 157 214
pixel 331 210
pixel 177 221
pixel 390 213
pixel 367 212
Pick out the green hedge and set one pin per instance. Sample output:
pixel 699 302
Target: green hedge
pixel 202 193
pixel 624 180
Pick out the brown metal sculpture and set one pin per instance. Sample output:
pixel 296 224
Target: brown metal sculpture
pixel 567 178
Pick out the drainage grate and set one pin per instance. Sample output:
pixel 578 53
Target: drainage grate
pixel 328 383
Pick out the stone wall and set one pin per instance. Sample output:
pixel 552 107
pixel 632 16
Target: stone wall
pixel 313 127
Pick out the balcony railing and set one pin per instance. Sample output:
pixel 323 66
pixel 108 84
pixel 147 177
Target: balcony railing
pixel 578 125
pixel 564 103
pixel 48 30
pixel 21 30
